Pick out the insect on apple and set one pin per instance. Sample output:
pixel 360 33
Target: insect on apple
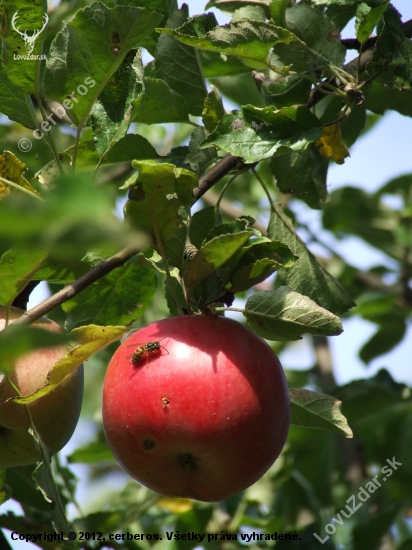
pixel 145 349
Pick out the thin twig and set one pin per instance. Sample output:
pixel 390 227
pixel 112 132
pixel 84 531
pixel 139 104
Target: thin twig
pixel 215 174
pixel 227 208
pixel 73 289
pixel 219 200
pixel 265 188
pixel 359 62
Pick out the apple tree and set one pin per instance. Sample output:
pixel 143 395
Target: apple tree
pixel 158 164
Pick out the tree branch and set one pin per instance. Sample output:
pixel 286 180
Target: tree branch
pixel 359 63
pixel 73 289
pixel 215 174
pixel 212 176
pixel 354 44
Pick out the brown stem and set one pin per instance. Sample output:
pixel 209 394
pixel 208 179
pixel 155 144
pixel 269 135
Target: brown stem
pixel 359 63
pixel 73 289
pixel 215 174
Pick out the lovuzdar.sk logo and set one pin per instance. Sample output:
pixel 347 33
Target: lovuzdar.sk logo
pixel 29 36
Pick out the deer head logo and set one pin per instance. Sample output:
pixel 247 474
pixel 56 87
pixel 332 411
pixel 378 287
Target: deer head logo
pixel 29 40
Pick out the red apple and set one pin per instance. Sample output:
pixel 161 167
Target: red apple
pixel 55 415
pixel 204 416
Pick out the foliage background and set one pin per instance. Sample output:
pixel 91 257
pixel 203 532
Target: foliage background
pixel 299 481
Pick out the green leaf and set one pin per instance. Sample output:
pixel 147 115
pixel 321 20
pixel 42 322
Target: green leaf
pixel 380 98
pixel 285 315
pixel 341 15
pixel 287 121
pixel 367 533
pixel 201 224
pixel 351 210
pixel 32 17
pixel 218 64
pixel 131 146
pixel 96 451
pixel 283 91
pixel 119 298
pixel 23 490
pixel 302 174
pixel 392 53
pixel 318 32
pixel 155 197
pixel 307 276
pixel 159 104
pixel 79 70
pixel 231 6
pixel 319 411
pixel 128 148
pixel 250 11
pixel 199 159
pixel 16 104
pixel 367 18
pixel 258 262
pixel 175 248
pixel 213 109
pixel 362 398
pixel 164 7
pixel 213 255
pixel 66 222
pixel 241 89
pixel 5 490
pixel 259 133
pixel 277 12
pixel 44 481
pixel 17 268
pixel 111 113
pixel 179 65
pixel 397 186
pixel 373 3
pixel 249 40
pixel 391 332
pixel 244 223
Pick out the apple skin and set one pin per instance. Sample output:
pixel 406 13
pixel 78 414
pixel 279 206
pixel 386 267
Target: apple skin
pixel 55 415
pixel 204 417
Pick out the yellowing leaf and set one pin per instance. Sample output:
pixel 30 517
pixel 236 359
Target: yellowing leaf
pixel 11 168
pixel 331 144
pixel 87 341
pixel 176 505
